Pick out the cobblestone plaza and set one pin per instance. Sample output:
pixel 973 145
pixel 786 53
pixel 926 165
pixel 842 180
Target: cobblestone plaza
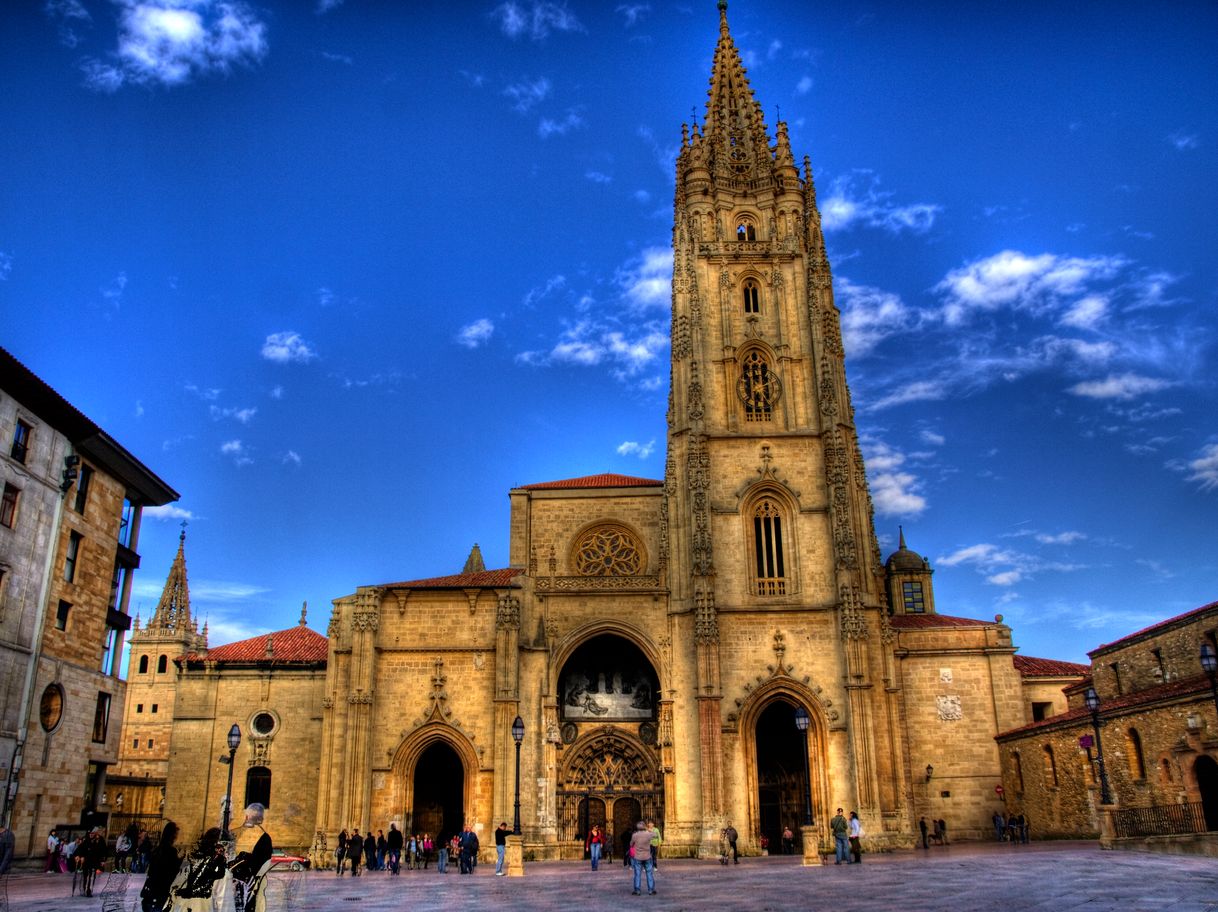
pixel 1052 877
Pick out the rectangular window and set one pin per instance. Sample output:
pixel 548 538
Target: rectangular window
pixel 154 707
pixel 21 441
pixel 150 743
pixel 101 718
pixel 61 616
pixel 1041 711
pixel 82 488
pixel 135 743
pixel 139 707
pixel 1116 677
pixel 69 561
pixel 8 509
pixel 126 524
pixel 108 656
pixel 911 595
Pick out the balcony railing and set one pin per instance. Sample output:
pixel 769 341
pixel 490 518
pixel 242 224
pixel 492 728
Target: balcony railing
pixel 1162 820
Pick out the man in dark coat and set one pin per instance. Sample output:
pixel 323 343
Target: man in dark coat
pixel 355 851
pixel 162 870
pixel 393 845
pixel 370 851
pixel 469 850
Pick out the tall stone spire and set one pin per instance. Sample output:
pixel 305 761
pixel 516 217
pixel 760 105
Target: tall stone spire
pixel 734 133
pixel 173 610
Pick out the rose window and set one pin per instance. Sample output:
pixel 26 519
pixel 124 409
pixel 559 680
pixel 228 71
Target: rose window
pixel 608 551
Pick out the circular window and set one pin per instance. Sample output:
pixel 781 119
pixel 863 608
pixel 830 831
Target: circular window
pixel 608 550
pixel 50 709
pixel 263 723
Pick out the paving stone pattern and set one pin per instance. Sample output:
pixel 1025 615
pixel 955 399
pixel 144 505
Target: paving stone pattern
pixel 1049 877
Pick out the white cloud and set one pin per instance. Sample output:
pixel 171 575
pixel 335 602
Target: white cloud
pixel 472 335
pixel 338 58
pixel 549 127
pixel 526 94
pixel 646 280
pixel 6 265
pixel 276 392
pixel 1002 567
pixel 804 86
pixel 554 283
pixel 1061 538
pixel 632 13
pixel 917 391
pixel 286 347
pixel 68 15
pixel 243 415
pixel 167 512
pixel 847 206
pixel 291 457
pixel 1086 313
pixel 869 316
pixel 932 438
pixel 1205 468
pixel 238 451
pixel 139 409
pixel 631 448
pixel 535 19
pixel 170 42
pixel 1119 386
pixel 1019 281
pixel 598 177
pixel 894 490
pixel 113 293
pixel 324 6
pixel 1184 141
pixel 589 343
pixel 207 394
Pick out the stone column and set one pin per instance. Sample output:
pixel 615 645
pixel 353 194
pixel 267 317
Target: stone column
pixel 811 838
pixel 515 856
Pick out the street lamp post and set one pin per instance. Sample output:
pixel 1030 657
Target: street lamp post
pixel 801 722
pixel 517 736
pixel 234 741
pixel 1091 698
pixel 1209 662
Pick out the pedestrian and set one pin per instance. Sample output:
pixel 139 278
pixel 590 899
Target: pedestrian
pixel 856 835
pixel 428 848
pixel 340 853
pixel 7 845
pixel 162 870
pixel 788 841
pixel 204 866
pixel 1000 825
pixel 382 846
pixel 1012 829
pixel 500 847
pixel 624 839
pixel 840 830
pixel 355 850
pixel 1025 827
pixel 370 851
pixel 640 857
pixel 732 836
pixel 469 850
pixel 925 837
pixel 942 825
pixel 393 845
pixel 595 842
pixel 52 866
pixel 657 840
pixel 92 851
pixel 122 850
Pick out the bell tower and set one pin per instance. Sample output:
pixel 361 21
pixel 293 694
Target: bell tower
pixel 768 513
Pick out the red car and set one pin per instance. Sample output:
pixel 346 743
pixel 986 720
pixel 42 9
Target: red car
pixel 292 862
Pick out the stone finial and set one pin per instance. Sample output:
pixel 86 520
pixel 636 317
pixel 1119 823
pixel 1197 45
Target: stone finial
pixel 304 610
pixel 474 563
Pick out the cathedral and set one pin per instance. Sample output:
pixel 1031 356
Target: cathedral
pixel 725 645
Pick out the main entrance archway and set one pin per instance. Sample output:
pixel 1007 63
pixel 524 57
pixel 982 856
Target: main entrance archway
pixel 782 785
pixel 439 793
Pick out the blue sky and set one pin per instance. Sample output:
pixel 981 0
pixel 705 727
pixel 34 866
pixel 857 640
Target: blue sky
pixel 344 273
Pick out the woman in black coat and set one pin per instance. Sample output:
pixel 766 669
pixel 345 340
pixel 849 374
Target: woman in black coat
pixel 162 870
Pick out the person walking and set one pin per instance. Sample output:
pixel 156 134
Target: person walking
pixel 441 856
pixel 393 846
pixel 501 833
pixel 840 830
pixel 732 836
pixel 428 847
pixel 469 848
pixel 1000 825
pixel 162 870
pixel 856 835
pixel 657 840
pixel 382 846
pixel 942 825
pixel 355 850
pixel 788 841
pixel 596 842
pixel 925 835
pixel 640 858
pixel 52 866
pixel 340 853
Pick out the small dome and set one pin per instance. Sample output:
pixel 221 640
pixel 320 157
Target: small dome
pixel 904 559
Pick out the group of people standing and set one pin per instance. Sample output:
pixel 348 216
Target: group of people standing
pixel 391 852
pixel 935 831
pixel 847 838
pixel 1012 828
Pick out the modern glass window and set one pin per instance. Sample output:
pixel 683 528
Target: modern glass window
pixel 61 615
pixel 101 718
pixel 126 524
pixel 108 653
pixel 8 508
pixel 768 550
pixel 69 561
pixel 258 786
pixel 82 488
pixel 21 441
pixel 912 597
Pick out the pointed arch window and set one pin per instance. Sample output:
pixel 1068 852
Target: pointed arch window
pixel 143 664
pixel 758 387
pixel 745 229
pixel 769 560
pixel 752 297
pixel 1137 760
pixel 162 664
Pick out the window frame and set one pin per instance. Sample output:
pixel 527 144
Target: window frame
pixel 9 504
pixel 72 557
pixel 751 292
pixel 23 435
pixel 101 717
pixel 257 775
pixel 82 488
pixel 62 614
pixel 913 597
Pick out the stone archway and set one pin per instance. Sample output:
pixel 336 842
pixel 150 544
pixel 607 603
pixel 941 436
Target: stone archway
pixel 1205 769
pixel 612 775
pixel 438 805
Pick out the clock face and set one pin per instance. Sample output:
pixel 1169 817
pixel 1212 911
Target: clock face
pixel 757 387
pixel 50 709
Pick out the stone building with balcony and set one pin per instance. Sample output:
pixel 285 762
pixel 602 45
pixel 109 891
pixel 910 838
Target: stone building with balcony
pixel 69 532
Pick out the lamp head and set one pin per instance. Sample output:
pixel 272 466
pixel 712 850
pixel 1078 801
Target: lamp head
pixel 930 771
pixel 234 737
pixel 1092 699
pixel 518 730
pixel 1209 660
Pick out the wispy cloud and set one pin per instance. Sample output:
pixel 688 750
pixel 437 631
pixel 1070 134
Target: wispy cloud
pixel 527 93
pixel 632 448
pixel 206 393
pixel 112 294
pixel 856 199
pixel 69 16
pixel 291 457
pixel 598 177
pixel 1004 566
pixel 1204 468
pixel 541 292
pixel 633 12
pixel 171 42
pixel 324 6
pixel 338 58
pixel 535 19
pixel 548 126
pixel 6 265
pixel 869 316
pixel 242 415
pixel 1183 140
pixel 167 512
pixel 1119 386
pixel 804 86
pixel 476 334
pixel 895 491
pixel 646 281
pixel 238 451
pixel 287 347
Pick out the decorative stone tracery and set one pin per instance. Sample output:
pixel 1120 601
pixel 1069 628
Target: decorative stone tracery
pixel 608 549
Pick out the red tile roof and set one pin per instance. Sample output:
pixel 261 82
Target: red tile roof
pixel 608 480
pixel 295 646
pixel 924 621
pixel 1184 687
pixel 483 579
pixel 1155 628
pixel 1031 667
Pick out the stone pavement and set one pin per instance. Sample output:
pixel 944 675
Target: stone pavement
pixel 1048 877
